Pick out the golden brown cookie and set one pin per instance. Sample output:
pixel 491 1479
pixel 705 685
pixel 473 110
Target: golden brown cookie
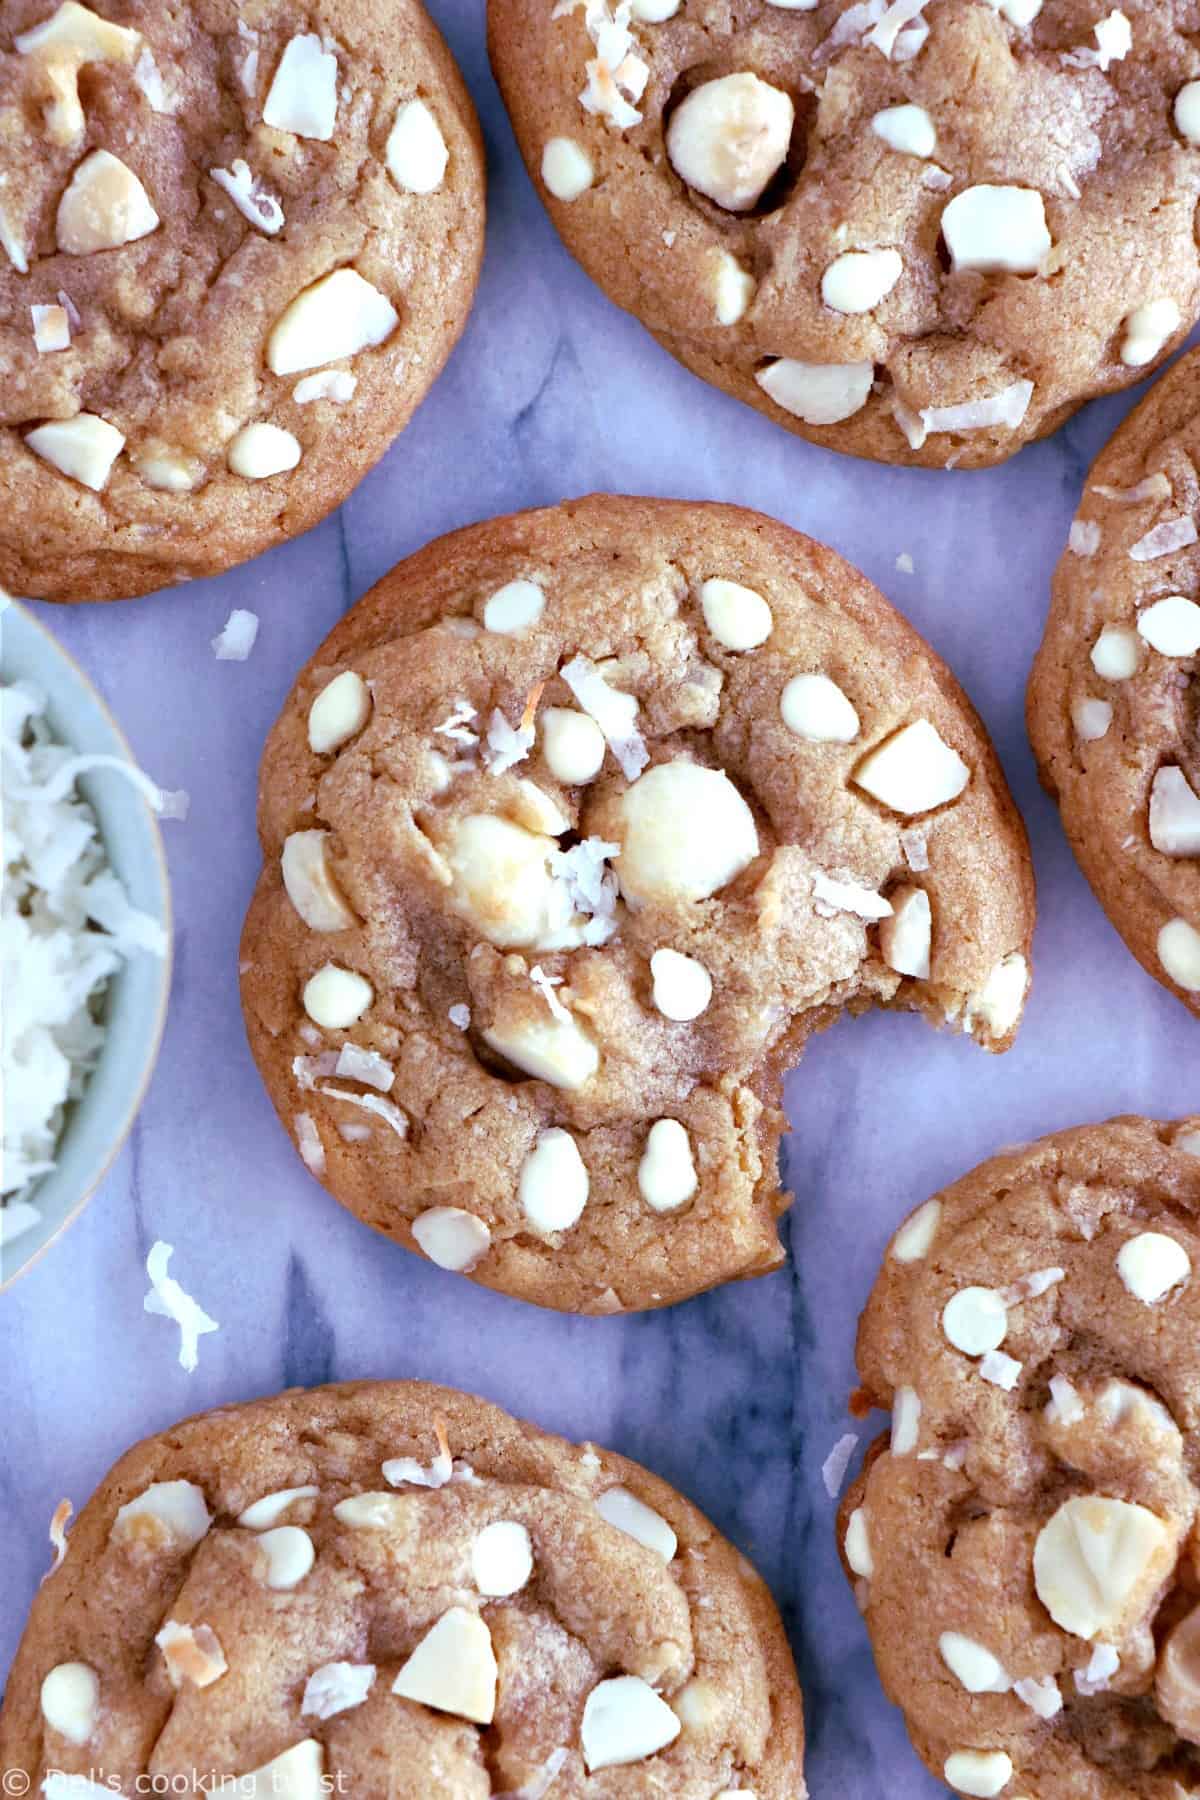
pixel 237 244
pixel 1112 700
pixel 923 233
pixel 1026 1545
pixel 574 830
pixel 395 1591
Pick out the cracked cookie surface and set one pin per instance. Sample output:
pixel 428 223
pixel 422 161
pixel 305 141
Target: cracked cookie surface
pixel 574 830
pixel 1025 1545
pixel 917 233
pixel 237 244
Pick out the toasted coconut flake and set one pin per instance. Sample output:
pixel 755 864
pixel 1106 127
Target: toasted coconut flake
pixel 1154 487
pixel 367 1066
pixel 192 1653
pixel 833 1469
pixel 406 1471
pixel 235 640
pixel 1164 539
pixel 308 1141
pixel 60 1519
pixel 306 1069
pixel 168 1301
pixel 387 1110
pixel 886 35
pixel 505 746
pixel 615 713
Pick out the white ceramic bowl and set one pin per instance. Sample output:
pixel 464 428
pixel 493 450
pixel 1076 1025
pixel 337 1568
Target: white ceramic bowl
pixel 135 1005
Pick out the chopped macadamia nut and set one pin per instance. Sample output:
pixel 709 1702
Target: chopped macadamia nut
pixel 303 97
pixel 310 883
pixel 502 880
pixel 637 1520
pixel 63 44
pixel 733 289
pixel 908 129
pixel 1116 654
pixel 682 986
pixel 553 1187
pixel 913 771
pixel 192 1654
pixel 335 998
pixel 334 318
pixel 974 1667
pixel 1177 1683
pixel 501 1559
pixel 1148 330
pixel 296 1774
pixel 572 744
pixel 51 329
pixel 1084 537
pixel 85 448
pixel 167 470
pixel 339 712
pixel 1187 112
pixel 289 1555
pixel 625 1721
pixel 997 230
pixel 556 1051
pixel 738 617
pixel 858 280
pixel 818 393
pixel 1174 814
pixel 975 1320
pixel 1098 1562
pixel 914 1240
pixel 70 1701
pixel 1179 954
pixel 336 385
pixel 1152 1264
pixel 667 1172
pixel 103 207
pixel 1171 626
pixel 253 202
pixel 335 1688
pixel 513 608
pixel 262 1514
pixel 980 1773
pixel 261 450
pixel 729 137
pixel 814 707
pixel 166 1515
pixel 451 1238
pixel 567 169
pixel 453 1668
pixel 1091 719
pixel 905 937
pixel 686 832
pixel 831 896
pixel 999 1001
pixel 417 157
pixel 858 1544
pixel 906 1421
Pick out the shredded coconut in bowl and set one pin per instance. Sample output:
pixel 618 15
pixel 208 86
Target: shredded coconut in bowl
pixel 66 926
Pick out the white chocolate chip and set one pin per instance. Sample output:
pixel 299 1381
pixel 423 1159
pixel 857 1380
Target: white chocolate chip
pixel 667 1172
pixel 417 157
pixel 336 1687
pixel 1179 954
pixel 339 712
pixel 502 881
pixel 975 1320
pixel 70 1700
pixel 296 1774
pixel 252 201
pixel 567 169
pixel 513 608
pixel 167 470
pixel 1171 626
pixel 730 137
pixel 553 1187
pixel 682 986
pixel 913 771
pixel 451 1238
pixel 1151 1264
pixel 905 938
pixel 303 96
pixel 1098 1562
pixel 656 12
pixel 1187 112
pixel 818 393
pixel 637 1520
pixel 976 1668
pixel 814 707
pixel 103 207
pixel 51 329
pixel 260 450
pixel 453 1668
pixel 85 448
pixel 334 318
pixel 260 1515
pixel 738 617
pixel 997 229
pixel 1174 814
pixel 1147 330
pixel 501 1558
pixel 560 1053
pixel 858 280
pixel 914 1240
pixel 858 1544
pixel 310 883
pixel 624 1721
pixel 908 129
pixel 290 1555
pixel 980 1773
pixel 167 1514
pixel 573 745
pixel 733 289
pixel 192 1654
pixel 1091 719
pixel 906 1421
pixel 335 998
pixel 686 832
pixel 1116 654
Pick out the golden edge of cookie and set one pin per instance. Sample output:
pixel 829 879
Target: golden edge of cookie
pixel 1133 905
pixel 485 1436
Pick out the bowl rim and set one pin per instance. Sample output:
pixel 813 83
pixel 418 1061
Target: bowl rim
pixel 154 1042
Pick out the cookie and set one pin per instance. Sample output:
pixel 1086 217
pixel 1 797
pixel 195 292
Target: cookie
pixel 1025 1545
pixel 393 1589
pixel 237 243
pixel 923 233
pixel 1112 705
pixel 574 830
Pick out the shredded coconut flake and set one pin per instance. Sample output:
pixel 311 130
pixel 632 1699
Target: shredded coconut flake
pixel 1065 1402
pixel 1154 487
pixel 1041 1695
pixel 148 76
pixel 506 746
pixel 589 891
pixel 886 34
pixel 1001 1370
pixel 58 1535
pixel 367 1066
pixel 539 1785
pixel 615 713
pixel 458 725
pixel 1008 408
pixel 168 1301
pixel 235 640
pixel 616 75
pixel 1114 41
pixel 336 1687
pixel 352 1132
pixel 308 1140
pixel 905 564
pixel 1084 537
pixel 1029 1287
pixel 387 1110
pixel 833 1469
pixel 191 1653
pixel 460 1017
pixel 1100 1670
pixel 847 896
pixel 1162 540
pixel 250 197
pixel 307 1069
pixel 915 846
pixel 406 1471
pixel 546 984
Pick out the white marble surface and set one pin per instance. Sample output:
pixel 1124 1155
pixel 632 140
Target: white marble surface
pixel 736 1397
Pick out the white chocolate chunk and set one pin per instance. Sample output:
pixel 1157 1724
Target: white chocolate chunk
pixel 975 1320
pixel 369 1512
pixel 818 393
pixel 624 1721
pixel 513 608
pixel 905 938
pixel 337 385
pixel 1116 654
pixel 1179 954
pixel 997 229
pixel 656 12
pixel 730 137
pixel 260 450
pixel 192 1654
pixel 1042 1695
pixel 453 1668
pixel 310 883
pixel 70 1701
pixel 555 1051
pixel 417 157
pixel 334 318
pixel 85 448
pixel 553 1187
pixel 103 207
pixel 290 1555
pixel 260 1515
pixel 63 43
pixel 167 470
pixel 339 712
pixel 685 831
pixel 814 707
pixel 296 1774
pixel 1066 1407
pixel 567 169
pixel 733 287
pixel 1147 330
pixel 451 1238
pixel 976 1668
pixel 1171 626
pixel 914 1240
pixel 572 744
pixel 682 986
pixel 1091 719
pixel 980 1773
pixel 738 617
pixel 637 1520
pixel 303 96
pixel 335 998
pixel 908 129
pixel 999 1001
pixel 667 1172
pixel 501 1558
pixel 858 280
pixel 906 1421
pixel 913 771
pixel 858 1544
pixel 168 1514
pixel 336 1687
pixel 252 201
pixel 502 881
pixel 1151 1264
pixel 1174 814
pixel 1187 112
pixel 831 896
pixel 51 329
pixel 1098 1562
pixel 1001 1370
